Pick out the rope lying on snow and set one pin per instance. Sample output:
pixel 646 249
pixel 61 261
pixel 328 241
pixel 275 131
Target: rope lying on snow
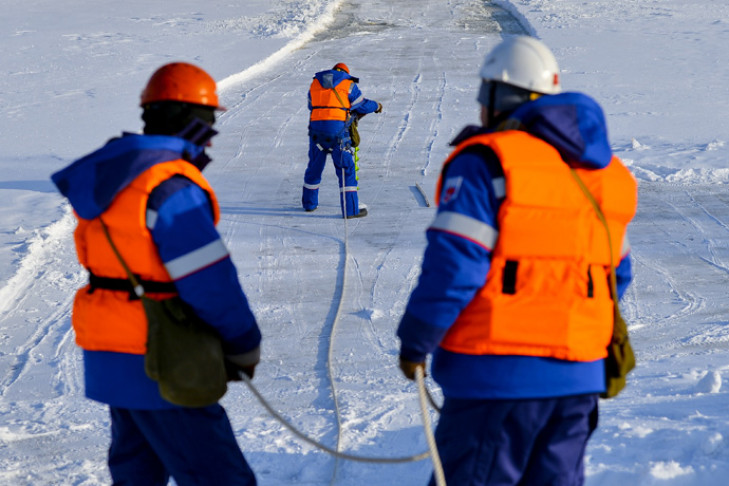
pixel 330 351
pixel 319 445
pixel 423 395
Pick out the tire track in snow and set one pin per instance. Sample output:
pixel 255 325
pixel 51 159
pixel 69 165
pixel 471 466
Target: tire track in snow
pixel 712 242
pixel 40 251
pixel 689 302
pixel 404 124
pixel 706 232
pixel 679 252
pixel 436 122
pixel 44 285
pixel 43 407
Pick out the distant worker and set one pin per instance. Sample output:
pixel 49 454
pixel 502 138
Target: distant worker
pixel 336 103
pixel 514 299
pixel 161 213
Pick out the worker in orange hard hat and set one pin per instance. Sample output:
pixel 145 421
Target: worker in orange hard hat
pixel 160 212
pixel 340 66
pixel 180 99
pixel 336 104
pixel 182 82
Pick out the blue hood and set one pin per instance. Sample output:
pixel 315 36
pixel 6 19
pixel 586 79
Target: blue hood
pixel 92 182
pixel 330 78
pixel 573 123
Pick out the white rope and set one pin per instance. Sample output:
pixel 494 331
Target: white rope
pixel 434 457
pixel 432 401
pixel 330 351
pixel 424 395
pixel 319 445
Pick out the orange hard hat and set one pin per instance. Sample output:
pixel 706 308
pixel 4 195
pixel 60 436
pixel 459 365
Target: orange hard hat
pixel 180 81
pixel 342 67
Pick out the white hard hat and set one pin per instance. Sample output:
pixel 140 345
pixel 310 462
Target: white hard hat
pixel 524 62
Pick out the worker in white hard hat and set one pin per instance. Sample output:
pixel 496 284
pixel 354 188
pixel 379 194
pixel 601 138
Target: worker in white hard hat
pixel 515 300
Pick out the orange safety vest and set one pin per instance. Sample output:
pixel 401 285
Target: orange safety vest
pixel 324 102
pixel 547 291
pixel 107 320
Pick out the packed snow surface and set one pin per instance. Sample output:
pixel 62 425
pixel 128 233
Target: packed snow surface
pixel 328 293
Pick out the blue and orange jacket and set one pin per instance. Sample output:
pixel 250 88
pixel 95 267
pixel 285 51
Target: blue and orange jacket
pixel 513 299
pixel 327 114
pixel 161 214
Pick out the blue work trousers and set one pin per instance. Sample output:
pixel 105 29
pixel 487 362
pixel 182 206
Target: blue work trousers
pixel 196 446
pixel 539 442
pixel 342 157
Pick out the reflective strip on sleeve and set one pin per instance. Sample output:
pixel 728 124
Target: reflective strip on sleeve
pixel 357 101
pixel 151 219
pixel 197 260
pixel 499 185
pixel 626 246
pixel 466 227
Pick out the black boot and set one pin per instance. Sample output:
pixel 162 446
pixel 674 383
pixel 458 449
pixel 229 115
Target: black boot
pixel 362 213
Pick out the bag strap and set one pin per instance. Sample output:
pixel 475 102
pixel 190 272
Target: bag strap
pixel 619 322
pixel 336 93
pixel 138 288
pixel 344 107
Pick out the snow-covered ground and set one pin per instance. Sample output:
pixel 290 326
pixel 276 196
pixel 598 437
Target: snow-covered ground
pixel 70 77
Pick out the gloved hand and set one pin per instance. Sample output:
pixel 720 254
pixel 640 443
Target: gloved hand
pixel 234 371
pixel 408 368
pixel 235 364
pixel 379 108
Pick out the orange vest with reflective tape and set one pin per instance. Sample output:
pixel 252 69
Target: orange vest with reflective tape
pixel 547 291
pixel 324 103
pixel 107 320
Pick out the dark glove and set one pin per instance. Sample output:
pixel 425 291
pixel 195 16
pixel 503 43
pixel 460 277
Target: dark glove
pixel 408 368
pixel 236 364
pixel 379 108
pixel 234 371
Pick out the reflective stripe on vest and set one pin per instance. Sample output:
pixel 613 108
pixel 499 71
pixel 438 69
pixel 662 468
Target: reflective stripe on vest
pixel 547 293
pixel 107 320
pixel 324 102
pixel 625 247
